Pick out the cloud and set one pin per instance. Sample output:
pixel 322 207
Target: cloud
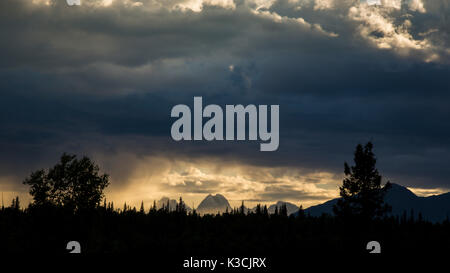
pixel 194 178
pixel 379 27
pixel 274 193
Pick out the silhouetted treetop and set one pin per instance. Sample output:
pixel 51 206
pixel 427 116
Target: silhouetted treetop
pixel 361 192
pixel 72 183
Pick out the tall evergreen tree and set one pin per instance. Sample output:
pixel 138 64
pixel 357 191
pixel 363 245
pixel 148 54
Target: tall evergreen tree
pixel 301 212
pixel 265 211
pixel 168 208
pixel 153 208
pixel 361 192
pixel 15 203
pixel 181 207
pixel 258 209
pixel 283 210
pixel 242 208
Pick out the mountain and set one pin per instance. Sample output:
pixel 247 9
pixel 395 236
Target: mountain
pixel 325 208
pixel 172 204
pixel 291 208
pixel 434 208
pixel 213 204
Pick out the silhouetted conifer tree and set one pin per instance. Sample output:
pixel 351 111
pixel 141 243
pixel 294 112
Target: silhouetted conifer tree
pixel 15 204
pixel 258 209
pixel 361 192
pixel 181 207
pixel 153 209
pixel 283 210
pixel 404 217
pixel 301 212
pixel 242 208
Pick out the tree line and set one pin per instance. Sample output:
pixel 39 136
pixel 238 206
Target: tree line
pixel 69 204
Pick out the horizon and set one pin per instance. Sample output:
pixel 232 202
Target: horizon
pixel 233 203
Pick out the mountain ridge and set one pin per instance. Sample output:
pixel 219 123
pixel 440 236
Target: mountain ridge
pixel 172 203
pixel 435 208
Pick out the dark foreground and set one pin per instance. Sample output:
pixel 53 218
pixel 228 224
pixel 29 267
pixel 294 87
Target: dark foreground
pixel 170 238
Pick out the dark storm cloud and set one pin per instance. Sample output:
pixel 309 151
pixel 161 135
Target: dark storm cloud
pixel 103 80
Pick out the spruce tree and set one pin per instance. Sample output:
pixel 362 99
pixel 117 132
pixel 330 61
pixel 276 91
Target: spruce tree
pixel 361 192
pixel 301 212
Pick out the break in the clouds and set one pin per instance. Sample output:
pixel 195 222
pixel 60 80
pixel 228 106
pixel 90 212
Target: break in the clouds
pixel 100 79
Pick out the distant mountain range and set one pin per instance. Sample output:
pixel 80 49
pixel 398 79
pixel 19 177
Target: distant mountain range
pixel 171 202
pixel 218 203
pixel 434 208
pixel 291 208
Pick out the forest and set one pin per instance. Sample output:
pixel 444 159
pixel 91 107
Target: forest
pixel 64 211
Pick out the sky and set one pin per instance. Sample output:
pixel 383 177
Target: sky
pixel 100 79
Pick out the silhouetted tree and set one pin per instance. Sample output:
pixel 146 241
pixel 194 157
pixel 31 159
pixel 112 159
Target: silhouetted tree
pixel 168 209
pixel 15 204
pixel 361 192
pixel 153 209
pixel 181 207
pixel 141 210
pixel 242 208
pixel 71 183
pixel 283 210
pixel 258 209
pixel 301 212
pixel 412 217
pixel 404 217
pixel 265 211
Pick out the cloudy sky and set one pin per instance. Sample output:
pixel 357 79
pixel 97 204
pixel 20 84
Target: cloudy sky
pixel 100 79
